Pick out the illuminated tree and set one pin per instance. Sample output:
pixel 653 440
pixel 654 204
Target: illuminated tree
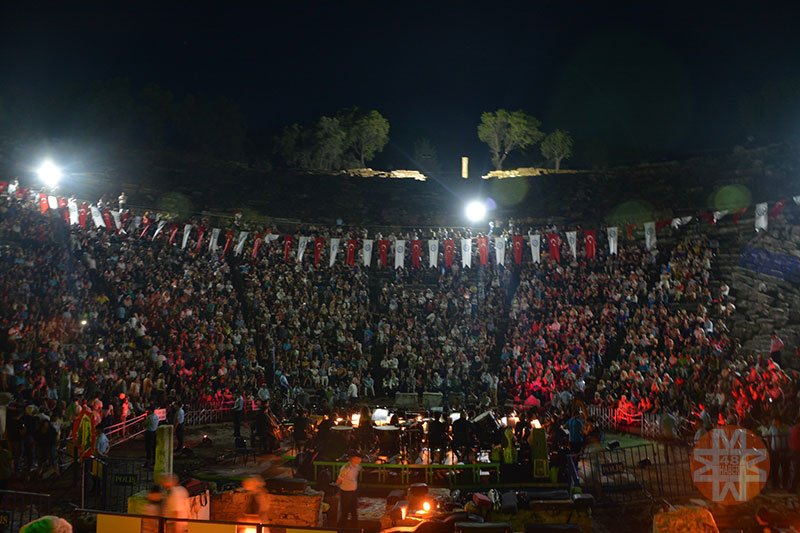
pixel 557 146
pixel 505 132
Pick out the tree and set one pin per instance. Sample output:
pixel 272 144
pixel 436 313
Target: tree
pixel 557 146
pixel 505 132
pixel 367 134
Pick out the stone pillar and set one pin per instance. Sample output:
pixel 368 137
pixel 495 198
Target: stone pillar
pixel 164 447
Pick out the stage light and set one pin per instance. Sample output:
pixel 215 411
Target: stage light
pixel 475 211
pixel 426 507
pixel 83 322
pixel 536 424
pixel 49 173
pixel 355 419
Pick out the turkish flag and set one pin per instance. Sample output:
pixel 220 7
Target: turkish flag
pixel 144 231
pixel 175 228
pixel 483 250
pixel 518 249
pixel 228 240
pixel 629 230
pixel 777 209
pixel 351 251
pixel 62 203
pixel 383 249
pixel 107 220
pixel 449 248
pixel 590 243
pixel 416 251
pixel 319 243
pixel 661 224
pixel 83 212
pixel 287 246
pixel 3 186
pixel 738 214
pixel 43 205
pixel 552 240
pixel 200 232
pixel 256 245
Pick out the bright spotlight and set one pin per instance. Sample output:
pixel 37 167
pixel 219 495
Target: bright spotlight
pixel 49 173
pixel 476 211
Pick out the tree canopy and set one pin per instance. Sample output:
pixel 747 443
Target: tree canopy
pixel 506 131
pixel 348 140
pixel 556 147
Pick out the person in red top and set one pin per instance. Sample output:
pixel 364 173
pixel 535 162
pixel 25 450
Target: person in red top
pixel 794 451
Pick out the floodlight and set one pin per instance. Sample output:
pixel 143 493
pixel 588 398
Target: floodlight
pixel 476 211
pixel 49 173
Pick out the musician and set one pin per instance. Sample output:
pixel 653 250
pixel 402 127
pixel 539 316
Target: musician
pixel 437 437
pixel 324 428
pixel 462 437
pixel 300 428
pixel 575 427
pixel 365 433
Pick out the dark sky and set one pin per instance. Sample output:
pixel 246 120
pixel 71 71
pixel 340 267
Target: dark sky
pixel 664 75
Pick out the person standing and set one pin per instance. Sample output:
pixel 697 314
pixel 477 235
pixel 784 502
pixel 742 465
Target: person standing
pixel 150 427
pixel 575 427
pixel 348 485
pixel 238 411
pixel 775 347
pixel 180 418
pixel 176 503
pixel 102 446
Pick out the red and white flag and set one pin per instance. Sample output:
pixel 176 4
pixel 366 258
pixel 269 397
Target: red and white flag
pixel 449 250
pixel 62 203
pixel 590 243
pixel 319 243
pixel 517 244
pixel 107 220
pixel 416 252
pixel 172 234
pixel 52 201
pixel 383 250
pixel 258 238
pixel 287 247
pixel 117 216
pixel 44 205
pixel 553 241
pixel 483 250
pixel 351 251
pixel 228 241
pixel 83 214
pixel 776 210
pixel 201 231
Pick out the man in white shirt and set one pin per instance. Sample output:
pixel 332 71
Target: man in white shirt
pixel 102 446
pixel 348 485
pixel 352 392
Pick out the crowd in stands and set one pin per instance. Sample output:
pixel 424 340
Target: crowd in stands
pixel 122 324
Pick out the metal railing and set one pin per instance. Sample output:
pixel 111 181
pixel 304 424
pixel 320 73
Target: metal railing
pixel 18 508
pixel 379 473
pixel 110 481
pixel 634 473
pixel 123 431
pixel 104 519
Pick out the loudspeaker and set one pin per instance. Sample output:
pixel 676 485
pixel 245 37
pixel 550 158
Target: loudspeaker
pixel 432 399
pixel 405 400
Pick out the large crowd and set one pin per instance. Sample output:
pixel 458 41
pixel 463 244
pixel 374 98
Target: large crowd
pixel 123 325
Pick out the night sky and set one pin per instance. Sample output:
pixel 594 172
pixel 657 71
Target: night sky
pixel 670 78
